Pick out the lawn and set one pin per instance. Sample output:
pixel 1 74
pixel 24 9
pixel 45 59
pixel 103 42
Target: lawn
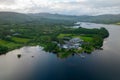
pixel 118 23
pixel 20 40
pixel 2 42
pixel 64 35
pixel 86 39
pixel 10 45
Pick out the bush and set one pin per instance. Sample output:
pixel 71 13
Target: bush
pixel 3 49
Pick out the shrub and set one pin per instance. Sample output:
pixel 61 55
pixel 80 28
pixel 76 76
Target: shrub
pixel 3 49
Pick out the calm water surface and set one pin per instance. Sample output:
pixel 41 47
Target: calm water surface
pixel 35 64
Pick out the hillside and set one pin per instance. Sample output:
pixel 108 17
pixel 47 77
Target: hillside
pixel 107 19
pixel 12 17
pixel 54 16
pixel 18 18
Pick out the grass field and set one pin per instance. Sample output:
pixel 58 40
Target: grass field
pixel 86 39
pixel 20 40
pixel 64 35
pixel 10 45
pixel 118 23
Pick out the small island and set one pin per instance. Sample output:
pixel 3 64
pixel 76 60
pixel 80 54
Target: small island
pixel 76 41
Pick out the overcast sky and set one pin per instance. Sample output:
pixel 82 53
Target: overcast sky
pixel 71 7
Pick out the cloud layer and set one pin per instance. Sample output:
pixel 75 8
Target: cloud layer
pixel 71 7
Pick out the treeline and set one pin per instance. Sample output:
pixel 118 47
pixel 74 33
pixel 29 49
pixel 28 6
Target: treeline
pixel 101 32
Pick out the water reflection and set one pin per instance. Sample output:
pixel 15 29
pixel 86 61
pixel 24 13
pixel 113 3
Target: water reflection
pixel 18 61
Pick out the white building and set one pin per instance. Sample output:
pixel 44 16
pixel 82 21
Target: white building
pixel 74 43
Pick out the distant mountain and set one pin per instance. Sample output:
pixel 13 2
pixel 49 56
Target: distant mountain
pixel 15 18
pixel 53 16
pixel 12 17
pixel 107 19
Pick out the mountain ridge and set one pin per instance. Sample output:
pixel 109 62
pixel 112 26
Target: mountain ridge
pixel 14 17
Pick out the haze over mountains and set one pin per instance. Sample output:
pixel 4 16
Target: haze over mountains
pixel 13 17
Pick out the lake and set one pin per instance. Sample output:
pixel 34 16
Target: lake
pixel 36 64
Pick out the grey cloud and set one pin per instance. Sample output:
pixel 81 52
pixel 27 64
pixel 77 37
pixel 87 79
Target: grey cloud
pixel 72 7
pixel 96 7
pixel 7 2
pixel 103 3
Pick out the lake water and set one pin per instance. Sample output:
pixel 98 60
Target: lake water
pixel 35 64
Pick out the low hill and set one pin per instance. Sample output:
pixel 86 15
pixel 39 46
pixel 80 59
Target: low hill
pixel 107 19
pixel 12 17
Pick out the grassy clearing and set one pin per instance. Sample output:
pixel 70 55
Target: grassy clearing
pixel 2 42
pixel 118 23
pixel 64 35
pixel 86 39
pixel 10 45
pixel 20 40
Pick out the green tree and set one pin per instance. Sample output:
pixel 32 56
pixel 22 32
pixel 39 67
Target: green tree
pixel 3 49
